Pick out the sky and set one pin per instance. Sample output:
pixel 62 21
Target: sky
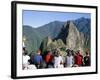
pixel 39 18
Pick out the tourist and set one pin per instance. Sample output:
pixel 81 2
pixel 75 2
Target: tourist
pixel 49 59
pixel 87 59
pixel 58 60
pixel 69 60
pixel 25 58
pixel 78 59
pixel 37 59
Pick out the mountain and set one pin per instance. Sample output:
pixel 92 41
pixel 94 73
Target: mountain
pixel 46 41
pixel 83 25
pixel 51 29
pixel 69 37
pixel 35 36
pixel 74 39
pixel 72 34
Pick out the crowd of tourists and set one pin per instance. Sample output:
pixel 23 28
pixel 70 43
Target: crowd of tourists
pixel 55 59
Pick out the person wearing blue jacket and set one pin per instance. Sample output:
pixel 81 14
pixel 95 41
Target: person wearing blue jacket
pixel 37 59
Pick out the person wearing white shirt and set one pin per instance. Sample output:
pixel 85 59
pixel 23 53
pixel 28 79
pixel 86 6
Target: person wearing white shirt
pixel 25 59
pixel 58 61
pixel 69 59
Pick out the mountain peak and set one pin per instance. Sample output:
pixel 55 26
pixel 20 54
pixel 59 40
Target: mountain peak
pixel 72 27
pixel 69 24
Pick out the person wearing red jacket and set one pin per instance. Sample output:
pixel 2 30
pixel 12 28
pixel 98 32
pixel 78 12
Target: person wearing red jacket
pixel 78 58
pixel 49 59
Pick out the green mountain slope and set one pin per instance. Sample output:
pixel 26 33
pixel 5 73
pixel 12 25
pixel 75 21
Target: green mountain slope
pixel 33 38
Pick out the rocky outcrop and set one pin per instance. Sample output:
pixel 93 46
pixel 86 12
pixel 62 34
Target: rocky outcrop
pixel 69 37
pixel 75 39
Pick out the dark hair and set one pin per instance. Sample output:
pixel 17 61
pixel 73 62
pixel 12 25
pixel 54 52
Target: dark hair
pixel 86 53
pixel 67 50
pixel 55 53
pixel 24 48
pixel 25 52
pixel 72 52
